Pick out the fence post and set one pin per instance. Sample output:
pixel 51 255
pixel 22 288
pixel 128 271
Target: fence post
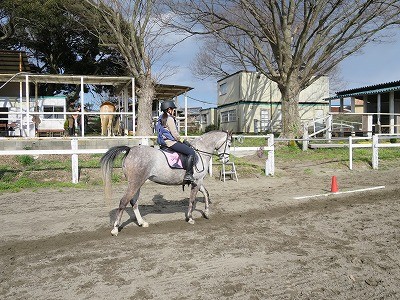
pixel 74 161
pixel 350 152
pixel 270 162
pixel 145 141
pixel 375 151
pixel 305 136
pixel 329 127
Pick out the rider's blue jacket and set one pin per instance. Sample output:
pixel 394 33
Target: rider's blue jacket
pixel 163 133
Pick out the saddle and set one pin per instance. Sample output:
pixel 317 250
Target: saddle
pixel 174 159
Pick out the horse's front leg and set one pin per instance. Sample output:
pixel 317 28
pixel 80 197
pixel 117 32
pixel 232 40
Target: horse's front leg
pixel 135 208
pixel 193 193
pixel 206 213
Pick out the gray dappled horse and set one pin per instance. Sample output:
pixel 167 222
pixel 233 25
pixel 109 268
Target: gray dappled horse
pixel 143 162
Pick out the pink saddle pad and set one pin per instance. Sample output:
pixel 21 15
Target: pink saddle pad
pixel 173 159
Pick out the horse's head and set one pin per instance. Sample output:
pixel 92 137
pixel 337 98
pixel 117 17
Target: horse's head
pixel 224 148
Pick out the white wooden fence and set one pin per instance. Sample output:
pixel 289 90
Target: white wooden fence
pixel 375 144
pixel 75 151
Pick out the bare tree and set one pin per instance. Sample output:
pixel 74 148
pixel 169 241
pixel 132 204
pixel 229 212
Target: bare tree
pixel 292 42
pixel 134 33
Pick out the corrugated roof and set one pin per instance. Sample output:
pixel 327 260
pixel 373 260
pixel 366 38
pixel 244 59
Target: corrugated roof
pixel 379 86
pixel 163 91
pixel 13 62
pixel 368 90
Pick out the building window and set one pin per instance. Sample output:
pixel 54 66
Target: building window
pixel 264 120
pixel 203 119
pixel 56 109
pixel 228 116
pixel 222 89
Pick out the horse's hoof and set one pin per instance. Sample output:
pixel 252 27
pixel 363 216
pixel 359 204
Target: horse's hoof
pixel 206 214
pixel 190 221
pixel 144 225
pixel 115 231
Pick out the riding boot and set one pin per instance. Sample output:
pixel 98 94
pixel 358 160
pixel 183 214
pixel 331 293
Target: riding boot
pixel 188 178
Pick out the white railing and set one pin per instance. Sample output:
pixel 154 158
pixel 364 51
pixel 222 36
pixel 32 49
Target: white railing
pixel 374 145
pixel 74 151
pixel 353 143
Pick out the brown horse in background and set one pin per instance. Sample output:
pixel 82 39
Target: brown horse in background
pixel 107 120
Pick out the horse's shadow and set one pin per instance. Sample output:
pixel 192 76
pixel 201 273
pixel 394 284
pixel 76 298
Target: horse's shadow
pixel 160 206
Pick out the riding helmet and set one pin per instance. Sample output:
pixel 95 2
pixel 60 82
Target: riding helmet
pixel 167 104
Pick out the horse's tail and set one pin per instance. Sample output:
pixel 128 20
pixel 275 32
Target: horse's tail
pixel 107 162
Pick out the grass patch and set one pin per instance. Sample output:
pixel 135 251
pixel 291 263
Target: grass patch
pixel 25 160
pixel 249 141
pixel 339 154
pixel 28 183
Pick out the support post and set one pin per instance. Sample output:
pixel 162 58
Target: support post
pixel 305 136
pixel 270 162
pixel 186 115
pixel 27 131
pixel 375 151
pixel 82 116
pixel 350 152
pixel 329 128
pixel 74 161
pixel 378 110
pixel 391 112
pixel 145 141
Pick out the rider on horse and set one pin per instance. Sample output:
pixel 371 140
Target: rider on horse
pixel 168 136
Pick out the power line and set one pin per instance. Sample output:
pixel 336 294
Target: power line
pixel 202 101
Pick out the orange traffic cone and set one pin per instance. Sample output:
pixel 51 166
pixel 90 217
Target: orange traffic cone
pixel 334 186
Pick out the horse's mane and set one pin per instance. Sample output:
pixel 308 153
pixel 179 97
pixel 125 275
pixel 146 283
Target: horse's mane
pixel 204 135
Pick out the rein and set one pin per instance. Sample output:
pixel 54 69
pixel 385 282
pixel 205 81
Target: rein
pixel 212 153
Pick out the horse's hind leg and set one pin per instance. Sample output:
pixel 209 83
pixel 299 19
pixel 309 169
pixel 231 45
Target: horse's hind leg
pixel 193 193
pixel 135 208
pixel 129 195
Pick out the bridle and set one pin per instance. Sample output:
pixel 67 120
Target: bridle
pixel 220 155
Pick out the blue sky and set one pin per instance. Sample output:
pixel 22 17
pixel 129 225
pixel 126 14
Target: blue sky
pixel 377 63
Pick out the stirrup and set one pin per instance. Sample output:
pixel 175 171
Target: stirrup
pixel 188 182
pixel 188 178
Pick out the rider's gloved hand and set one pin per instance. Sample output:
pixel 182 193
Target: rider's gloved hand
pixel 187 143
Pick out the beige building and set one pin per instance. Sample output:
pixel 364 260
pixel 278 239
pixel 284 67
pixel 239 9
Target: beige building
pixel 251 103
pixel 208 116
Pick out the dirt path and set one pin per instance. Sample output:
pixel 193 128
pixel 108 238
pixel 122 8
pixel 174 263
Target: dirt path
pixel 260 242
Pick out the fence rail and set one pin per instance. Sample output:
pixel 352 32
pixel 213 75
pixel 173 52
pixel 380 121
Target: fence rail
pixel 374 145
pixel 74 151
